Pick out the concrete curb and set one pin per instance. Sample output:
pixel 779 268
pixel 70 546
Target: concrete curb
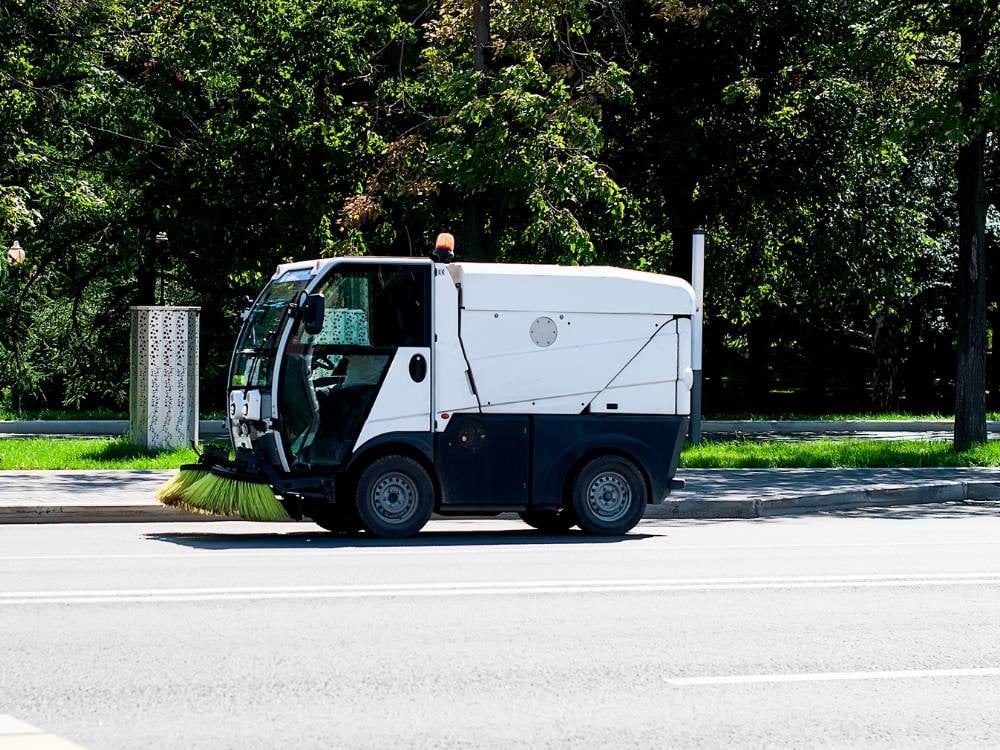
pixel 99 514
pixel 785 505
pixel 873 497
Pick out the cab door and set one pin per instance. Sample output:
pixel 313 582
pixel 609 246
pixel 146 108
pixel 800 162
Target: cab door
pixel 367 372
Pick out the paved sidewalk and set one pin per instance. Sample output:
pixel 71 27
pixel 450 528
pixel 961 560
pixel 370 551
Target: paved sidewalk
pixel 41 496
pixel 749 493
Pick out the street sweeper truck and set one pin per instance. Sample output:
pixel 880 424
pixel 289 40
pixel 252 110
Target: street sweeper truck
pixel 366 393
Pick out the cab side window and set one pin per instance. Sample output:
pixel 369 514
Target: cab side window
pixel 377 306
pixel 400 308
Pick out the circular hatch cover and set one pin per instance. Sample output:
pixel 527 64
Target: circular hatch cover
pixel 543 331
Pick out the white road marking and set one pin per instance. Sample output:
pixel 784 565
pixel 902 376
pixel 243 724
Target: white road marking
pixel 899 674
pixel 10 725
pixel 491 588
pixel 326 549
pixel 17 735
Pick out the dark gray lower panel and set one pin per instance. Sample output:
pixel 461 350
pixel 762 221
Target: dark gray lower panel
pixel 560 443
pixel 483 460
pixel 504 462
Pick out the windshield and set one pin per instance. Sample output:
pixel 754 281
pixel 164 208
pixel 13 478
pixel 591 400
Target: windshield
pixel 254 362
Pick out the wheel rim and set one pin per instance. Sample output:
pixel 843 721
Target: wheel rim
pixel 394 498
pixel 609 496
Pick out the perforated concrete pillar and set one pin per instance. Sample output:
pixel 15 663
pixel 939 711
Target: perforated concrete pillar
pixel 163 387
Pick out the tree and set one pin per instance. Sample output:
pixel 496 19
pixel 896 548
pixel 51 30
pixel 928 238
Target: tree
pixel 960 39
pixel 757 120
pixel 493 124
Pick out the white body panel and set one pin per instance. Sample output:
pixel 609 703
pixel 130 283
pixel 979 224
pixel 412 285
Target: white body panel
pixel 513 373
pixel 236 401
pixel 452 388
pixel 648 383
pixel 402 405
pixel 576 289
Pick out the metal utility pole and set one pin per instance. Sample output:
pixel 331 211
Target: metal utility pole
pixel 698 282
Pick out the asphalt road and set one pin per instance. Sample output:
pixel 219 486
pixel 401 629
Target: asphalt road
pixel 878 628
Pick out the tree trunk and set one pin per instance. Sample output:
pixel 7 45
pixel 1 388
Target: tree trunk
pixel 146 280
pixel 481 32
pixel 474 248
pixel 758 370
pixel 472 234
pixel 970 377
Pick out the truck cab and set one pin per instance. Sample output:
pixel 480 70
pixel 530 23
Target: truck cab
pixel 374 391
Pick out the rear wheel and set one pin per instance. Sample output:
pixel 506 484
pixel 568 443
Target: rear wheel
pixel 395 497
pixel 549 521
pixel 609 496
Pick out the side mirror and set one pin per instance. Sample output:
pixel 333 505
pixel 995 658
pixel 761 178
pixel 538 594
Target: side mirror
pixel 313 310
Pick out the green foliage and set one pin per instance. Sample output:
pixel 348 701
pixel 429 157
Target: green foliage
pixel 815 140
pixel 519 139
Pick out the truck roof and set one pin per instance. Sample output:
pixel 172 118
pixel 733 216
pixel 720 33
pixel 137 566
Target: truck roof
pixel 524 286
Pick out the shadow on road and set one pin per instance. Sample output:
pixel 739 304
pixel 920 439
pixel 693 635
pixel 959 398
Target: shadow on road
pixel 739 484
pixel 948 510
pixel 324 540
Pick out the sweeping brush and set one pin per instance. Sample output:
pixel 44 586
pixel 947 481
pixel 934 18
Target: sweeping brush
pixel 229 494
pixel 175 492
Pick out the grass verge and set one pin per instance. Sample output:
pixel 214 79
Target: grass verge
pixel 118 453
pixel 834 453
pixel 857 416
pixel 57 453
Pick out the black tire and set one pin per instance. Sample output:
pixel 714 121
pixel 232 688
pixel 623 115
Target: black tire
pixel 340 519
pixel 395 497
pixel 608 496
pixel 549 521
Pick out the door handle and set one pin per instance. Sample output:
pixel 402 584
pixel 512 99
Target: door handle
pixel 418 368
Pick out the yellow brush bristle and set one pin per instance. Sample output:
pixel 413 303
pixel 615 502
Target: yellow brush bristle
pixel 175 492
pixel 253 501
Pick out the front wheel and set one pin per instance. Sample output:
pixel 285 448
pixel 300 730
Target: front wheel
pixel 395 497
pixel 609 496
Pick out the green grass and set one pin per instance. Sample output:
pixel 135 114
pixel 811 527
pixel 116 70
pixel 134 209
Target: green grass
pixel 56 453
pixel 118 453
pixel 888 416
pixel 834 453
